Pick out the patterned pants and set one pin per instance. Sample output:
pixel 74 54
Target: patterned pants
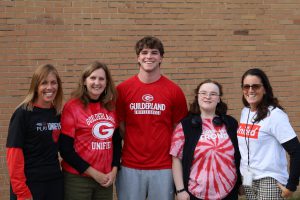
pixel 263 189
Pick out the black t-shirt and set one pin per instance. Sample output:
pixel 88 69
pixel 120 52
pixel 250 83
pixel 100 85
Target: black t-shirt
pixel 36 133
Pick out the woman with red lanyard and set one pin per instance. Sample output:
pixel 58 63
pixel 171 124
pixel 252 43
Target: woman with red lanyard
pixel 89 147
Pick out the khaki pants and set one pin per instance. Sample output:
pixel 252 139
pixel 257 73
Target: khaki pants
pixel 85 188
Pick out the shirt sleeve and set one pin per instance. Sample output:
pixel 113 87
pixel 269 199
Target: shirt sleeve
pixel 120 105
pixel 281 127
pixel 15 163
pixel 68 121
pixel 177 142
pixel 68 153
pixel 117 148
pixel 15 156
pixel 17 129
pixel 179 109
pixel 293 148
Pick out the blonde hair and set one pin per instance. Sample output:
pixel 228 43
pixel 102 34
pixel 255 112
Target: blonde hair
pixel 108 97
pixel 38 76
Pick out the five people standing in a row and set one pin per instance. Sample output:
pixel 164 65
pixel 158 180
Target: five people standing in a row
pixel 206 153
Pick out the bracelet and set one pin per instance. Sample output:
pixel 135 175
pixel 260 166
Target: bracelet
pixel 178 191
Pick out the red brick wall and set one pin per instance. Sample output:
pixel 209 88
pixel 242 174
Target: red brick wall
pixel 217 39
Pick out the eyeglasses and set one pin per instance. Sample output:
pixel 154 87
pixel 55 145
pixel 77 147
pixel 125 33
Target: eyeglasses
pixel 246 87
pixel 207 94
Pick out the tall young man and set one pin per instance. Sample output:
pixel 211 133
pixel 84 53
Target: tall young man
pixel 149 106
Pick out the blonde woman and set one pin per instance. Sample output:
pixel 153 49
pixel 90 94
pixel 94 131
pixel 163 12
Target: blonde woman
pixel 32 147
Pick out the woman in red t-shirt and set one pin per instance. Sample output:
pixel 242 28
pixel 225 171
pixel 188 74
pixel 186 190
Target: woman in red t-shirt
pixel 89 147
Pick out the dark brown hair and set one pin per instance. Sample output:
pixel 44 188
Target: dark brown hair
pixel 221 108
pixel 268 98
pixel 151 43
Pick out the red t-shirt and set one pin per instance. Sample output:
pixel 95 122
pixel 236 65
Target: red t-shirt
pixel 92 129
pixel 149 112
pixel 213 172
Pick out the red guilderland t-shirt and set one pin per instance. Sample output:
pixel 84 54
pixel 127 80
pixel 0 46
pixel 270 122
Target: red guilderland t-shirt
pixel 149 112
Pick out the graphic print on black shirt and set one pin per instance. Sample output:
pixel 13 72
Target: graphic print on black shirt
pixel 36 133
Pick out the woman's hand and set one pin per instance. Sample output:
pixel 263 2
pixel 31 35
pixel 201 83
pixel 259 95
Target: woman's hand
pixel 111 177
pixel 183 196
pixel 285 193
pixel 241 190
pixel 101 178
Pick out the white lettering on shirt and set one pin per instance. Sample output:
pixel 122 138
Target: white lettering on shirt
pixel 43 126
pixel 147 108
pixel 212 135
pixel 100 145
pixel 99 116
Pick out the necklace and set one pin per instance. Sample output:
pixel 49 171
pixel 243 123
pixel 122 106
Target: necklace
pixel 247 136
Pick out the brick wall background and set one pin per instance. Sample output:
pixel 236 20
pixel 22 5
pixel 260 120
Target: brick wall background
pixel 217 39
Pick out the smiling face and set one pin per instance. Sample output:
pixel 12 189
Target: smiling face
pixel 96 83
pixel 255 93
pixel 208 97
pixel 46 91
pixel 149 60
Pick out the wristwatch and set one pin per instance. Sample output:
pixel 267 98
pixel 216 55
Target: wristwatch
pixel 181 190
